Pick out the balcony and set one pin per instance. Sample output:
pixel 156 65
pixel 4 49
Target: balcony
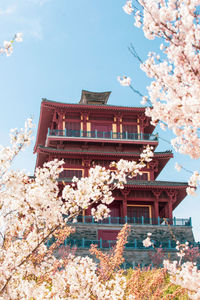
pixel 134 244
pixel 101 135
pixel 89 220
pixel 108 244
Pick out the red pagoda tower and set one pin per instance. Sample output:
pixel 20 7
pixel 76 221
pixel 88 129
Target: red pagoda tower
pixel 93 133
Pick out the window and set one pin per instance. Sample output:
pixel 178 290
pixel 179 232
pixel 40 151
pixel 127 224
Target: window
pixel 72 129
pixel 71 174
pixel 135 213
pixel 101 130
pixel 130 131
pixel 73 161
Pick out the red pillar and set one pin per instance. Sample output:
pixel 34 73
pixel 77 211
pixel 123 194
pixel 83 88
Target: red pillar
pixel 172 197
pixel 125 196
pixel 156 208
pixel 84 120
pixel 170 209
pixel 87 166
pixel 60 120
pixel 118 121
pixel 156 205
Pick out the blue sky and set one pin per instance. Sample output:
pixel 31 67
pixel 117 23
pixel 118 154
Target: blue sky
pixel 69 46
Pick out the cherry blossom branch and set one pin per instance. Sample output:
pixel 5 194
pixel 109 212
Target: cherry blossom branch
pixel 8 45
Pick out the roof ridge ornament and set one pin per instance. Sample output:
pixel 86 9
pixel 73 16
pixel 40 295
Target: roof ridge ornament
pixel 88 97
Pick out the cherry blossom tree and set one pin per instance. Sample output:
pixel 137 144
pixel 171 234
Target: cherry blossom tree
pixel 31 212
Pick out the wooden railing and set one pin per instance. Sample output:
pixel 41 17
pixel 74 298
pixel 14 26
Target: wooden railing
pixel 102 135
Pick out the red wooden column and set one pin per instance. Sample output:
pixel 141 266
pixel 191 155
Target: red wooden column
pixel 61 117
pixel 172 197
pixel 153 166
pixel 125 196
pixel 156 205
pixel 143 122
pixel 84 116
pixel 118 121
pixel 87 166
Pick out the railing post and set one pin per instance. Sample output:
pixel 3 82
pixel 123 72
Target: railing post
pixel 126 219
pixel 65 132
pixel 158 220
pixel 95 133
pixel 142 220
pixel 80 133
pixel 84 219
pixel 126 135
pixel 65 242
pixel 135 243
pixel 169 244
pixel 111 135
pixel 100 243
pixel 48 131
pixel 92 220
pixel 190 221
pixel 174 221
pixel 109 220
pixel 83 243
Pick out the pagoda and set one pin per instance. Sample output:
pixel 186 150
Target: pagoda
pixel 91 133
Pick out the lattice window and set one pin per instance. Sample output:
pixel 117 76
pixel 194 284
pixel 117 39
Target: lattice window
pixel 129 119
pixel 70 116
pixel 72 129
pixel 138 212
pixel 72 126
pixel 130 128
pixel 103 163
pixel 73 161
pixel 71 173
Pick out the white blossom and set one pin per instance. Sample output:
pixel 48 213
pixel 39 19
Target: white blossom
pixel 178 167
pixel 128 7
pixel 124 81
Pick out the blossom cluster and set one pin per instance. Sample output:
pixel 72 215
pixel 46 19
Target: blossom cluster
pixel 174 91
pixel 124 81
pixel 147 242
pixel 187 276
pixel 194 181
pixel 8 45
pixel 20 139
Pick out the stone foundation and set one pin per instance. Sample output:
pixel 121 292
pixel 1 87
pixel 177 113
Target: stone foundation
pixel 135 257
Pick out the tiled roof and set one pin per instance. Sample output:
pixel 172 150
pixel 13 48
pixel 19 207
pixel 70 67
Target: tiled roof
pixel 101 151
pixel 85 105
pixel 146 183
pixel 157 183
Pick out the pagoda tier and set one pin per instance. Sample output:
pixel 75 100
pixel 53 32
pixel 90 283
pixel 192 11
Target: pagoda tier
pixel 64 124
pixel 83 159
